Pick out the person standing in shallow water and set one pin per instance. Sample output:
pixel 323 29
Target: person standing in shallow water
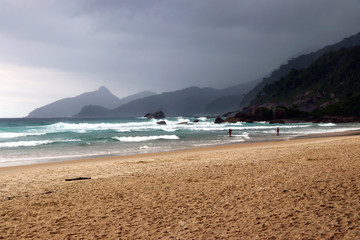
pixel 230 131
pixel 277 131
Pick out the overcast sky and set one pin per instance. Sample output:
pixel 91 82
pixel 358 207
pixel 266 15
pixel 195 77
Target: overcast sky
pixel 52 49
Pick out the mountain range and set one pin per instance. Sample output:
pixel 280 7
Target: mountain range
pixel 186 102
pixel 300 62
pixel 68 107
pixel 310 71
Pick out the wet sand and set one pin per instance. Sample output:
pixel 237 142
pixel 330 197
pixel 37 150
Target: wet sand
pixel 295 189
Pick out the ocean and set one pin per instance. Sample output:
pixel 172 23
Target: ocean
pixel 28 141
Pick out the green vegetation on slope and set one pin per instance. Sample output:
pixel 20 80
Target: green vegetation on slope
pixel 300 62
pixel 332 78
pixel 349 107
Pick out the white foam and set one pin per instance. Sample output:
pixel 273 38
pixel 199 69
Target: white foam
pixel 24 143
pixel 244 135
pixel 146 138
pixel 83 127
pixel 202 118
pixel 119 127
pixel 327 124
pixel 7 135
pixel 171 126
pixel 181 119
pixel 320 131
pixel 34 143
pixel 45 157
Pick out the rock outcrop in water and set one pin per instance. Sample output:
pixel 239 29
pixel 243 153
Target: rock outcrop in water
pixel 219 120
pixel 157 115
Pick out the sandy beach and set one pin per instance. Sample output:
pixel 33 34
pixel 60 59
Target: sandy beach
pixel 294 189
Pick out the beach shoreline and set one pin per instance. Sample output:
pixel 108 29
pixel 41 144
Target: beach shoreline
pixel 108 157
pixel 292 189
pixel 42 140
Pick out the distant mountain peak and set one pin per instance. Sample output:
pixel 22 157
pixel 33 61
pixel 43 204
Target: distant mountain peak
pixel 68 107
pixel 103 89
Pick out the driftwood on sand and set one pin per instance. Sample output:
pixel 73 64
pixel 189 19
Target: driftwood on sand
pixel 79 178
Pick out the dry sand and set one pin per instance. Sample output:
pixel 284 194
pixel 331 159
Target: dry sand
pixel 297 189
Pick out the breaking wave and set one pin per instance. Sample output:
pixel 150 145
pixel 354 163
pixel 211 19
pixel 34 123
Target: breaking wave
pixel 146 138
pixel 34 143
pixel 8 135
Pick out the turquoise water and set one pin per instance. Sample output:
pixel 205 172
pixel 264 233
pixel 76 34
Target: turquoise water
pixel 28 141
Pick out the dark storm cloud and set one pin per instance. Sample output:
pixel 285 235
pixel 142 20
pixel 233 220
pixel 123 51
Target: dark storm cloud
pixel 167 45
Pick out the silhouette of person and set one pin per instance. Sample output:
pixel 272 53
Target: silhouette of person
pixel 230 131
pixel 277 131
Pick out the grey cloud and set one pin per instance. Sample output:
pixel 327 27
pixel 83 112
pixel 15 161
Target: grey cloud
pixel 165 45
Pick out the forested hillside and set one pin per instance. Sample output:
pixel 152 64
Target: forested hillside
pixel 333 78
pixel 300 62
